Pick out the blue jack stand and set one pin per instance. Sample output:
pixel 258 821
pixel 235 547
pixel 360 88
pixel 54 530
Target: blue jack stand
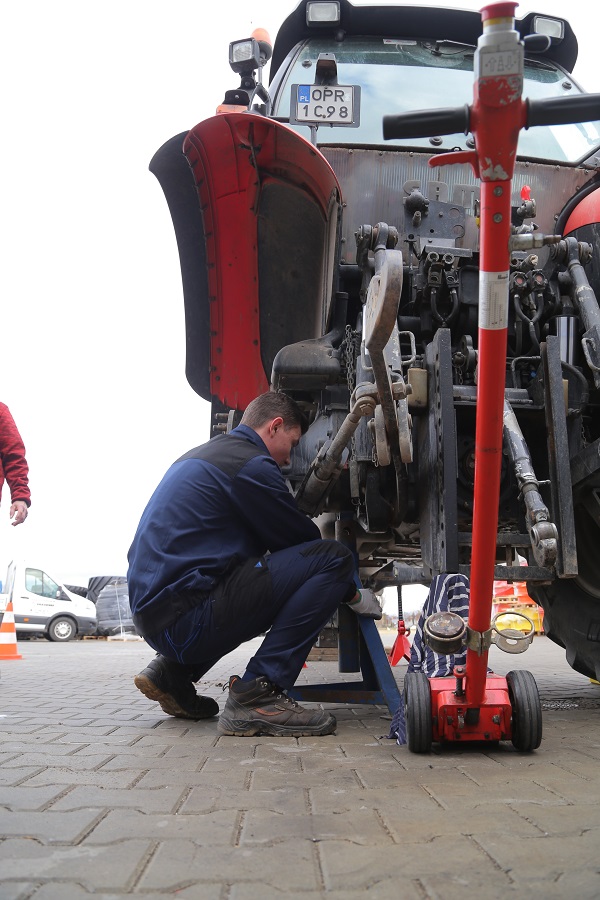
pixel 360 649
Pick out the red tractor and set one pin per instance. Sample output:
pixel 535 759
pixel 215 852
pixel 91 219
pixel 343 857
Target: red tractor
pixel 323 260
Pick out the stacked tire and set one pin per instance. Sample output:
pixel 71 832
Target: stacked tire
pixel 112 609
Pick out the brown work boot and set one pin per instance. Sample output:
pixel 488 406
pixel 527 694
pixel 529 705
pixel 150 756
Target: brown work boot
pixel 166 683
pixel 259 707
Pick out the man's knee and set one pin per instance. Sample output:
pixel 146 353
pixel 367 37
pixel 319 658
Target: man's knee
pixel 335 555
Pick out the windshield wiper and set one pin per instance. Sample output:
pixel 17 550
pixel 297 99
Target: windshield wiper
pixel 434 48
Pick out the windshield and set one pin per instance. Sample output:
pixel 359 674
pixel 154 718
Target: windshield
pixel 397 75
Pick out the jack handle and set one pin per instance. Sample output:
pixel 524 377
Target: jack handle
pixel 433 122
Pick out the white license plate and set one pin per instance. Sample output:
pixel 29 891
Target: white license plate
pixel 325 104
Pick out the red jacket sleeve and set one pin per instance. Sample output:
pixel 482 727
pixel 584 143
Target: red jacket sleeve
pixel 13 465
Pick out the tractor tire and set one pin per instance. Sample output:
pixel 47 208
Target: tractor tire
pixel 572 605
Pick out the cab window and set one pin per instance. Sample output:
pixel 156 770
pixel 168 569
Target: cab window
pixel 399 75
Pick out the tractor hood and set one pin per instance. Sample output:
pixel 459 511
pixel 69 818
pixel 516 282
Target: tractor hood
pixel 255 209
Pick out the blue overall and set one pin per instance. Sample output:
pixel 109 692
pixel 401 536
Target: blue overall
pixel 222 554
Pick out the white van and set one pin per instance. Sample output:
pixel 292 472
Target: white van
pixel 41 605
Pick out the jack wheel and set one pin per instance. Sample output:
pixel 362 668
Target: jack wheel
pixel 526 710
pixel 417 711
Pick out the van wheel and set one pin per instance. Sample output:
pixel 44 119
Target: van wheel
pixel 62 629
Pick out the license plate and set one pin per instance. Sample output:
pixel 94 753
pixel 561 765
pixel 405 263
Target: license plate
pixel 325 104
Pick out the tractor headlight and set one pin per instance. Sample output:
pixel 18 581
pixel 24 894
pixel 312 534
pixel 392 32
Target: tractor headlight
pixel 552 28
pixel 320 13
pixel 244 56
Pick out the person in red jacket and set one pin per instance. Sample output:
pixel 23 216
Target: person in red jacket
pixel 13 467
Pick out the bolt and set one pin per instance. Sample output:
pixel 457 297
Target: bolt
pixel 498 217
pixel 498 191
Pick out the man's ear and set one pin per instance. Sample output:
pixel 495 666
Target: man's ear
pixel 276 423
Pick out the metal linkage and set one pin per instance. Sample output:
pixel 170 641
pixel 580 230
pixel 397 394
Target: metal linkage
pixel 543 532
pixel 328 464
pixel 574 255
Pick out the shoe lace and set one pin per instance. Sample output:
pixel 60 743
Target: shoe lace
pixel 281 695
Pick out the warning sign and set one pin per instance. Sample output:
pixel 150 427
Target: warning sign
pixel 493 300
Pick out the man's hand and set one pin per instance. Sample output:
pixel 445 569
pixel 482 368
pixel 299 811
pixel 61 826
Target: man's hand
pixel 18 512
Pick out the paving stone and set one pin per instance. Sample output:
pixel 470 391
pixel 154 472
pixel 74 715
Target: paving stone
pixel 56 775
pixel 388 890
pixel 293 864
pixel 146 761
pixel 299 781
pixel 346 865
pixel 561 858
pixel 16 774
pixel 408 798
pixel 68 890
pixel 28 797
pixel 568 821
pixel 262 826
pixel 498 886
pixel 94 868
pixel 65 761
pixel 83 796
pixel 48 750
pixel 49 827
pixel 209 828
pixel 208 797
pixel 17 890
pixel 416 826
pixel 459 792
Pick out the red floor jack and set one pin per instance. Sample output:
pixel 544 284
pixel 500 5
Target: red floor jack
pixel 473 705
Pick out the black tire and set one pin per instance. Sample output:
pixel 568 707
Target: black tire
pixel 572 605
pixel 417 711
pixel 62 629
pixel 526 711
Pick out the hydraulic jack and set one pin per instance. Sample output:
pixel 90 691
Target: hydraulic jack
pixel 473 705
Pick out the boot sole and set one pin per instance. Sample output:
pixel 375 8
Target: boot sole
pixel 245 728
pixel 166 701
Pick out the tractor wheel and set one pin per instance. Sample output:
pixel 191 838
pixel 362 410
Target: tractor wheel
pixel 572 605
pixel 417 711
pixel 526 710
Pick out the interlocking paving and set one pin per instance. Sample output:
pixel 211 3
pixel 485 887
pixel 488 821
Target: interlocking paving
pixel 103 795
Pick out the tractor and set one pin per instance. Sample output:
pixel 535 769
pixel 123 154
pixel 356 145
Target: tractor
pixel 322 259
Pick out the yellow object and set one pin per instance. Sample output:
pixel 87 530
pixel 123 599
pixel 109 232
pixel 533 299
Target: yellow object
pixel 534 613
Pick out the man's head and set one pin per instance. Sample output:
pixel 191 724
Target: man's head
pixel 279 421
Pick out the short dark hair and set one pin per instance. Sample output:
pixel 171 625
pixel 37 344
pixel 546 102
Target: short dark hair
pixel 268 406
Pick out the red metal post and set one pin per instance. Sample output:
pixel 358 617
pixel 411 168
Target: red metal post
pixel 497 116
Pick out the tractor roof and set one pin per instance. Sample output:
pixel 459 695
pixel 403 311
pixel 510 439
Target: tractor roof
pixel 413 22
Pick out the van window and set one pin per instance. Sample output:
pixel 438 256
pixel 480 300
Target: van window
pixel 38 582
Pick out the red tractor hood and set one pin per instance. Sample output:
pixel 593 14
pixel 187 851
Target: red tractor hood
pixel 255 209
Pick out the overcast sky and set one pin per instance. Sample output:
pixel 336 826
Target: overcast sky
pixel 93 349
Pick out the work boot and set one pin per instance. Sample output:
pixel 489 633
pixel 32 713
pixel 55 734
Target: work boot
pixel 165 682
pixel 259 707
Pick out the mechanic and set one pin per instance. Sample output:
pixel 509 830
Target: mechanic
pixel 13 467
pixel 222 554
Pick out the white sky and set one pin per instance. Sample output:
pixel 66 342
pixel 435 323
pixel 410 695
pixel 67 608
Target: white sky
pixel 93 344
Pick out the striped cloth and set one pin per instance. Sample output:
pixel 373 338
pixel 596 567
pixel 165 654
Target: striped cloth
pixel 448 593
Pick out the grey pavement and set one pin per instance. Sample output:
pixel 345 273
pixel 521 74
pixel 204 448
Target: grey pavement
pixel 103 795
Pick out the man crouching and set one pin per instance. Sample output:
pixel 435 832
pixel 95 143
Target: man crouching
pixel 222 554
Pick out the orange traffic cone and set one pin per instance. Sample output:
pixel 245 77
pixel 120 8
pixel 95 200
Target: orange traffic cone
pixel 8 635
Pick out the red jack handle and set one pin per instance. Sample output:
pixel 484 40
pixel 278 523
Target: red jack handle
pixel 496 117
